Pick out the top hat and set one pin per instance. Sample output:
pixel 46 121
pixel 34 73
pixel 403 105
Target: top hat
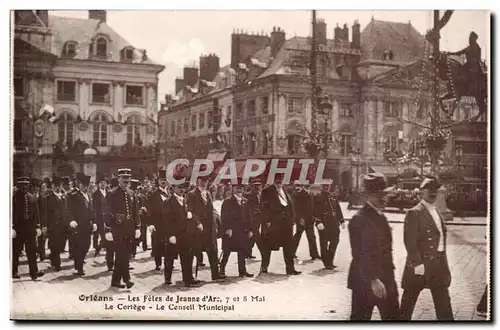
pixel 84 179
pixel 56 181
pixel 65 180
pixel 23 180
pixel 80 177
pixel 431 183
pixel 35 182
pixel 100 177
pixel 124 172
pixel 162 174
pixel 376 182
pixel 134 183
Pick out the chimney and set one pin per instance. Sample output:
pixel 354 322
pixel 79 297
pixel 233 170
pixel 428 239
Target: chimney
pixel 345 33
pixel 179 85
pixel 99 15
pixel 356 35
pixel 190 76
pixel 337 33
pixel 44 16
pixel 278 38
pixel 321 32
pixel 209 67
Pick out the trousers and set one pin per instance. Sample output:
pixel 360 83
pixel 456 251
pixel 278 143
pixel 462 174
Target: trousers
pixel 363 302
pixel 311 240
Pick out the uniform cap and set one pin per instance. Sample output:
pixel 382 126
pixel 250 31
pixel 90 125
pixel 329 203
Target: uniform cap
pixel 23 179
pixel 124 172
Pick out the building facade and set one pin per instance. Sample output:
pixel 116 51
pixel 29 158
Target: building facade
pixel 93 106
pixel 375 83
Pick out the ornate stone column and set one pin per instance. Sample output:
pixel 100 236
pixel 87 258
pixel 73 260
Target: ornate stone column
pixel 380 130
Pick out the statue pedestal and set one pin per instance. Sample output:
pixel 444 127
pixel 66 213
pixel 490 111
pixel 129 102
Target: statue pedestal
pixel 441 205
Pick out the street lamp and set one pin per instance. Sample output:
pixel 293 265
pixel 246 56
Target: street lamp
pixel 356 160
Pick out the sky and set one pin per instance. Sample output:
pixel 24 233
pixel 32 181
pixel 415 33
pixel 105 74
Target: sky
pixel 177 38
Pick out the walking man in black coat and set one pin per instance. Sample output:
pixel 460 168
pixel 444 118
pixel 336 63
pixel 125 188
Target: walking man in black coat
pixel 371 275
pixel 99 199
pixel 121 227
pixel 25 228
pixel 426 263
pixel 303 202
pixel 237 230
pixel 329 220
pixel 277 225
pixel 82 220
pixel 254 201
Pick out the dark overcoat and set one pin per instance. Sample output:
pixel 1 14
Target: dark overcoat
pixel 280 217
pixel 235 216
pixel 203 213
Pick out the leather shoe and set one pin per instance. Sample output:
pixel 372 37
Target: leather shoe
pixel 39 274
pixel 192 284
pixel 58 268
pixel 329 267
pixel 168 282
pixel 219 278
pixel 158 268
pixel 16 275
pixel 129 284
pixel 80 273
pixel 118 285
pixel 294 272
pixel 246 275
pixel 263 271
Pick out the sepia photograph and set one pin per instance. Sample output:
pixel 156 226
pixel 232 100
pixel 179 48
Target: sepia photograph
pixel 158 158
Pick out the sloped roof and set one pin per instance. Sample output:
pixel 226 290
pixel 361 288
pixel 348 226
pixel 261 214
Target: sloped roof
pixel 403 39
pixel 405 76
pixel 84 31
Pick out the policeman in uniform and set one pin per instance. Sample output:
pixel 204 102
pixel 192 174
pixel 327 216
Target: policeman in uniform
pixel 254 199
pixel 99 198
pixel 25 227
pixel 82 221
pixel 329 219
pixel 426 262
pixel 303 202
pixel 277 227
pixel 121 223
pixel 56 218
pixel 156 208
pixel 237 230
pixel 371 275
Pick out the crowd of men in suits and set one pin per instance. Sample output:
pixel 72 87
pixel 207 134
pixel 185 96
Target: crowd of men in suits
pixel 183 224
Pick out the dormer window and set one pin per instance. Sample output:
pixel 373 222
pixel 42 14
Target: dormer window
pixel 69 50
pixel 101 47
pixel 128 53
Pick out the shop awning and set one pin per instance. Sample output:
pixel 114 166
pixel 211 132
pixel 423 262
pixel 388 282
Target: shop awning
pixel 388 171
pixel 216 156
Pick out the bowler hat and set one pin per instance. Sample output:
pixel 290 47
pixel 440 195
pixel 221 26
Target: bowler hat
pixel 376 182
pixel 65 180
pixel 431 183
pixel 84 179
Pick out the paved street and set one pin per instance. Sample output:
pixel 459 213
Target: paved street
pixel 317 294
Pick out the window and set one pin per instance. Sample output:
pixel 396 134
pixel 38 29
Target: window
pixel 473 147
pixel 251 111
pixel 186 124
pixel 66 91
pixel 100 131
pixel 265 105
pixel 239 144
pixel 201 120
pixel 172 128
pixel 18 132
pixel 391 143
pixel 252 143
pixel 128 53
pixel 345 144
pixel 210 119
pixel 101 47
pixel 391 109
pixel 422 110
pixel 179 126
pixel 135 95
pixel 321 68
pixel 239 111
pixel 293 144
pixel 295 105
pixel 65 129
pixel 134 130
pixel 193 123
pixel 100 93
pixel 19 87
pixel 346 110
pixel 69 50
pixel 265 143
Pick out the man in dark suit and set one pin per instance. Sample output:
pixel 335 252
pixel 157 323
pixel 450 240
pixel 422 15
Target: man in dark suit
pixel 237 230
pixel 66 188
pixel 371 275
pixel 277 225
pixel 121 227
pixel 36 190
pixel 25 227
pixel 156 218
pixel 426 263
pixel 99 199
pixel 82 222
pixel 254 200
pixel 199 203
pixel 329 219
pixel 56 217
pixel 303 202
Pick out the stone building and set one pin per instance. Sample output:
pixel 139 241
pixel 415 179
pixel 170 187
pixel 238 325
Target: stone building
pixel 86 98
pixel 374 79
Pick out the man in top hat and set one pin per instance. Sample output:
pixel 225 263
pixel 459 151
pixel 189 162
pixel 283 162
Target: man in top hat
pixel 156 218
pixel 99 199
pixel 303 202
pixel 121 227
pixel 254 199
pixel 140 206
pixel 55 212
pixel 36 190
pixel 25 227
pixel 237 230
pixel 329 219
pixel 371 275
pixel 200 205
pixel 82 221
pixel 277 225
pixel 426 262
pixel 142 199
pixel 66 187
